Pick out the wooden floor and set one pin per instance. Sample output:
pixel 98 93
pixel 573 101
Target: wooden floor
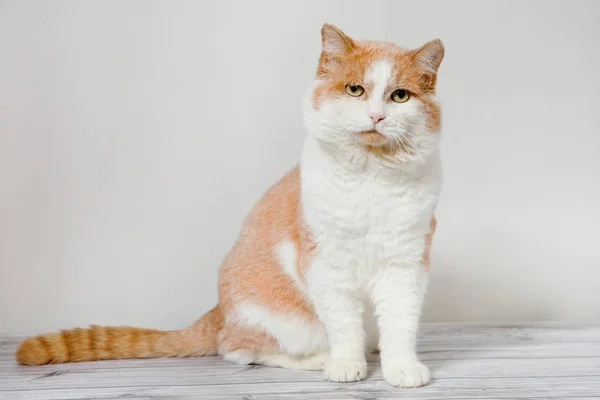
pixel 466 361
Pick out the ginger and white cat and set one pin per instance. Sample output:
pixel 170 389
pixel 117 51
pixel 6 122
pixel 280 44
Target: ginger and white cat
pixel 333 261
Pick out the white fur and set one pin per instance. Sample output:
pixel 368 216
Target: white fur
pixel 310 363
pixel 287 255
pixel 369 217
pixel 378 77
pixel 295 335
pixel 240 357
pixel 313 362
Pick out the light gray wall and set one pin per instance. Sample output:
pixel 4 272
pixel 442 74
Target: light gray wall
pixel 136 135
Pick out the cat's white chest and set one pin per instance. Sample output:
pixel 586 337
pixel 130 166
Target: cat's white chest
pixel 362 223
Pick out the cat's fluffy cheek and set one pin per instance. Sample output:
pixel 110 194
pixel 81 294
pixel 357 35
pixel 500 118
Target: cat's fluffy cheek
pixel 339 120
pixel 405 120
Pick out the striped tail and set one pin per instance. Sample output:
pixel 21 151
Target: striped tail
pixel 113 343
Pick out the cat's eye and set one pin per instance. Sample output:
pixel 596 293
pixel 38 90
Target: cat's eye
pixel 355 90
pixel 401 96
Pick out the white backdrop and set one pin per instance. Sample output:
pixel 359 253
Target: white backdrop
pixel 136 135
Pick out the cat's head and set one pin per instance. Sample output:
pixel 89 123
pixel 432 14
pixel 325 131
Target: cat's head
pixel 375 97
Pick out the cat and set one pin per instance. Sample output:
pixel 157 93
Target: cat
pixel 333 261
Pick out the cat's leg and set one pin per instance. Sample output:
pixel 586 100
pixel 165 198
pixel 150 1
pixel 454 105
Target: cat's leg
pixel 273 358
pixel 398 296
pixel 278 341
pixel 337 300
pixel 244 345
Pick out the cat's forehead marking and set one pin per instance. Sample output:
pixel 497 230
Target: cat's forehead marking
pixel 379 74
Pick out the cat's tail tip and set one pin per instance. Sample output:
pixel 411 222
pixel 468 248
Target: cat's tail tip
pixel 32 352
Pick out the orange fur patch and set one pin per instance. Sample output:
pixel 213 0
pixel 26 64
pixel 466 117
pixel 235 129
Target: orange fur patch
pixel 252 262
pixel 251 272
pixel 373 137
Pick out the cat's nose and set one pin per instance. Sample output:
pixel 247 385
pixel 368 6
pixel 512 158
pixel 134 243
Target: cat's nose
pixel 376 117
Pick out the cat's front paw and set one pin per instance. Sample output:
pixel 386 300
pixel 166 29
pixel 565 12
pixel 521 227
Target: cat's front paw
pixel 345 370
pixel 405 373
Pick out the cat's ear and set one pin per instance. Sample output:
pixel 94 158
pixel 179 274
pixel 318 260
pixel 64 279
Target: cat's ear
pixel 335 42
pixel 429 56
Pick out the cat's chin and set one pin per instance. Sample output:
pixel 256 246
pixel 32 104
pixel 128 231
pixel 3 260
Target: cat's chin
pixel 373 138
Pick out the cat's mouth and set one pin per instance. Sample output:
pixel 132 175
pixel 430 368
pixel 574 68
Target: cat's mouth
pixel 372 138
